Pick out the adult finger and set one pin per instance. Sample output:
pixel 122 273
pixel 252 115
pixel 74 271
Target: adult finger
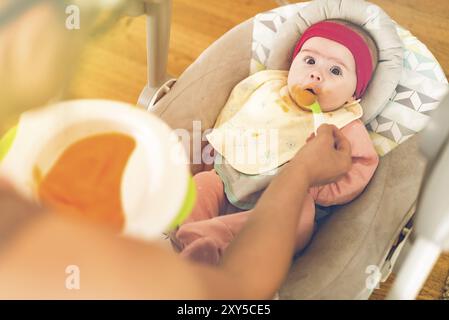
pixel 326 132
pixel 312 135
pixel 326 129
pixel 341 142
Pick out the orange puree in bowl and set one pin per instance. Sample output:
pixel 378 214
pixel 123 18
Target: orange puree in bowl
pixel 86 179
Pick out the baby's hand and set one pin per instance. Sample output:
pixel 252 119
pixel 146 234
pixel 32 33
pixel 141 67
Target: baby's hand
pixel 326 156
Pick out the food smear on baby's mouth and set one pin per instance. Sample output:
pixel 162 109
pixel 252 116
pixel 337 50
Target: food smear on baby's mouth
pixel 303 97
pixel 86 179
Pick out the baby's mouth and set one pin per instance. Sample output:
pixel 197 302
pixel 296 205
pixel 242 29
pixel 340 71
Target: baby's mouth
pixel 311 90
pixel 304 97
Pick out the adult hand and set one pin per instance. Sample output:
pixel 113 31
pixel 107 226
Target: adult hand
pixel 4 184
pixel 326 156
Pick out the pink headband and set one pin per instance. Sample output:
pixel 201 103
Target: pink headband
pixel 351 40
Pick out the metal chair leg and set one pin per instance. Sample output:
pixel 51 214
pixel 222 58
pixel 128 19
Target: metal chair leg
pixel 158 40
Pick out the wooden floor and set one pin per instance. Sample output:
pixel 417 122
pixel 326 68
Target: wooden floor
pixel 114 66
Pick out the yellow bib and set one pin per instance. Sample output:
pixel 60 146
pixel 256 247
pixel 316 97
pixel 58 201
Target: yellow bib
pixel 260 127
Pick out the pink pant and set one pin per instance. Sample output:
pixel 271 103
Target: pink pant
pixel 206 234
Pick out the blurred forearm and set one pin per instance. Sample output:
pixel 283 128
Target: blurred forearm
pixel 261 255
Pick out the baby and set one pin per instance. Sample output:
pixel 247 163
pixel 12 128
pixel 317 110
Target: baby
pixel 334 61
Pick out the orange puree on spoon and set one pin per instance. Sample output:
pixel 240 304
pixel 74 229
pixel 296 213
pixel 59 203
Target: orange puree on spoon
pixel 86 179
pixel 303 98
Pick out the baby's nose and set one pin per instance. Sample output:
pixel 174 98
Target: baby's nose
pixel 315 76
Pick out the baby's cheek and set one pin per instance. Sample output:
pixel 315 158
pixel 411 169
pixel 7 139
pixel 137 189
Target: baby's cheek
pixel 294 75
pixel 344 90
pixel 333 97
pixel 342 94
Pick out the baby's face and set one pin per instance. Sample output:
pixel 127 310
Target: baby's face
pixel 328 68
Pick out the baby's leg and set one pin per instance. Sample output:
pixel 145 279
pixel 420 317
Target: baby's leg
pixel 208 204
pixel 205 241
pixel 209 196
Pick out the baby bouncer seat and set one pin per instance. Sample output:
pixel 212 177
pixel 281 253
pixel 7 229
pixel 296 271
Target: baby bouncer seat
pixel 359 243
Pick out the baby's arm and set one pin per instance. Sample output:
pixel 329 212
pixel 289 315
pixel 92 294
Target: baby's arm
pixel 364 164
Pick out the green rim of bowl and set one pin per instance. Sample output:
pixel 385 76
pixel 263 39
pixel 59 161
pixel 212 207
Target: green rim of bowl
pixel 187 206
pixel 7 141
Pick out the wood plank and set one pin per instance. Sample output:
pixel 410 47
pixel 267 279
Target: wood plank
pixel 433 288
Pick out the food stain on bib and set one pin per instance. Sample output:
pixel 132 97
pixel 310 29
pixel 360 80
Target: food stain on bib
pixel 86 179
pixel 283 104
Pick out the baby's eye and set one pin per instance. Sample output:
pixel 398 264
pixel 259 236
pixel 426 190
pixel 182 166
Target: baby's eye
pixel 336 70
pixel 309 60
